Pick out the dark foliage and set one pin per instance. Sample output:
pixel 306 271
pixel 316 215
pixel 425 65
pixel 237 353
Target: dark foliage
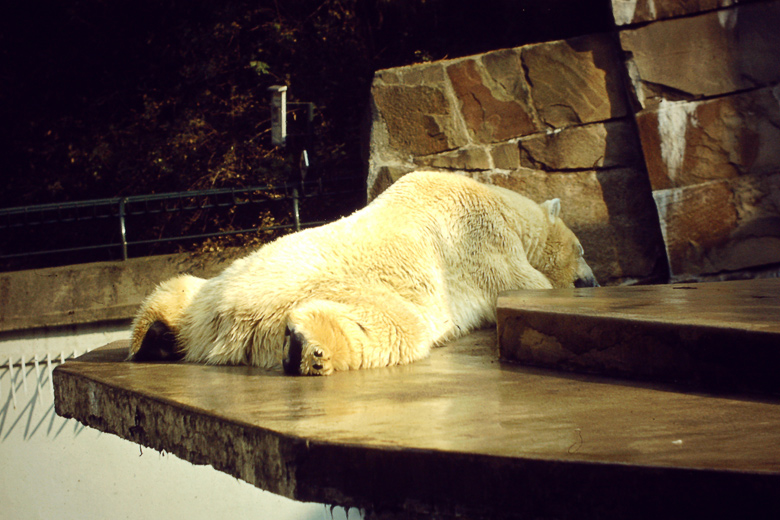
pixel 105 98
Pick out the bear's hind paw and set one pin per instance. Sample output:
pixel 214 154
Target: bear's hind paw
pixel 316 363
pixel 301 358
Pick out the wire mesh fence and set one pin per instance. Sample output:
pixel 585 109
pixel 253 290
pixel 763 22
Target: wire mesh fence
pixel 123 227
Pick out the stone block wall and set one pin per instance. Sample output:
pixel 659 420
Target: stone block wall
pixel 547 120
pixel 707 91
pixel 660 138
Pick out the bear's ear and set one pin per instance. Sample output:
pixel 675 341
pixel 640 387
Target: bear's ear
pixel 553 208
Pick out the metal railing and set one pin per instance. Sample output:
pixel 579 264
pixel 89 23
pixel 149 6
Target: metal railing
pixel 122 209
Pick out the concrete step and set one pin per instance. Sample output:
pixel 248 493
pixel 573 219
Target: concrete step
pixel 719 336
pixel 457 435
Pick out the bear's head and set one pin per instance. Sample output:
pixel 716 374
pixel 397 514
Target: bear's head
pixel 564 263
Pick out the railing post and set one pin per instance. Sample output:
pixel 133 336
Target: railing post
pixel 296 211
pixel 122 229
pixel 278 115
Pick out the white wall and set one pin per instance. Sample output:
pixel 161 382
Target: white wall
pixel 53 468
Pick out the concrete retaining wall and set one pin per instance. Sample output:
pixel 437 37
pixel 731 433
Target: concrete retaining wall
pixel 97 292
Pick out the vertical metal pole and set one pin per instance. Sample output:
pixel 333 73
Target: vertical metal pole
pixel 304 165
pixel 11 378
pixel 38 382
pixel 50 369
pixel 24 374
pixel 296 211
pixel 278 114
pixel 122 230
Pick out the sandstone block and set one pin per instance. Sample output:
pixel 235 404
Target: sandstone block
pixel 491 111
pixel 694 220
pixel 635 11
pixel 721 226
pixel 706 55
pixel 598 145
pixel 506 156
pixel 385 177
pixel 418 118
pixel 411 75
pixel 575 81
pixel 468 158
pixel 688 143
pixel 611 211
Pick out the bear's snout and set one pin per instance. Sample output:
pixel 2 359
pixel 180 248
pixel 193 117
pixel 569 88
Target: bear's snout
pixel 586 282
pixel 585 276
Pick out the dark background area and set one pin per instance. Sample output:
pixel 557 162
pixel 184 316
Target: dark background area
pixel 106 98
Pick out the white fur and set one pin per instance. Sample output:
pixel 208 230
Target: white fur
pixel 421 264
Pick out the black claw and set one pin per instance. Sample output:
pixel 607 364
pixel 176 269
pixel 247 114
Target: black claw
pixel 317 353
pixel 292 358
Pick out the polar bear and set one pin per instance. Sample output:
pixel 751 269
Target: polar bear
pixel 420 265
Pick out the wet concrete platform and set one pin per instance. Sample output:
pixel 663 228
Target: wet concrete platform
pixel 719 336
pixel 458 435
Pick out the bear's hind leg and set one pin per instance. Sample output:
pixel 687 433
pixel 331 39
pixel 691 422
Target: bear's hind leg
pixel 322 337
